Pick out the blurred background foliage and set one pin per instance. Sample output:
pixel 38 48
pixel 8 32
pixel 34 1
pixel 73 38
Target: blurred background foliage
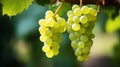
pixel 20 45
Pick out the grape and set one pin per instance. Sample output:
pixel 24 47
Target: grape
pixel 74 44
pixel 42 22
pixel 48 41
pixel 50 54
pixel 85 10
pixel 51 29
pixel 61 21
pixel 84 38
pixel 69 12
pixel 80 24
pixel 92 11
pixel 72 36
pixel 83 19
pixel 76 19
pixel 45 48
pixel 74 7
pixel 80 58
pixel 78 52
pixel 77 12
pixel 81 44
pixel 50 22
pixel 49 33
pixel 76 26
pixel 43 37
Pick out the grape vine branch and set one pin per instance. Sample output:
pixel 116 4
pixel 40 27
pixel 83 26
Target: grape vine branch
pixel 115 3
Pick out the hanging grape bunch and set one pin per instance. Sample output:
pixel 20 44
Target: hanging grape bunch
pixel 51 29
pixel 80 24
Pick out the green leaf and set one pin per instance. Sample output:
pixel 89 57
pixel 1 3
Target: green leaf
pixel 14 7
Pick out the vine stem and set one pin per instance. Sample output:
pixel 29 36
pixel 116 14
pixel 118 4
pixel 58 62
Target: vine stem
pixel 59 7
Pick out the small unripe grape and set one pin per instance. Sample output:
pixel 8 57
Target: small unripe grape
pixel 86 50
pixel 55 45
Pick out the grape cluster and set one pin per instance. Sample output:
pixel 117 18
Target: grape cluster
pixel 80 26
pixel 51 29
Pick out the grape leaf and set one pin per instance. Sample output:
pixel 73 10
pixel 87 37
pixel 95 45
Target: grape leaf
pixel 14 7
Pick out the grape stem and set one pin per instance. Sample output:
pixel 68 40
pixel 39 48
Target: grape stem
pixel 59 7
pixel 98 10
pixel 80 3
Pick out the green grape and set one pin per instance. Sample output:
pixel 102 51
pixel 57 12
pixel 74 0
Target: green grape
pixel 43 37
pixel 56 25
pixel 71 17
pixel 76 26
pixel 42 22
pixel 75 6
pixel 92 11
pixel 74 44
pixel 77 34
pixel 55 45
pixel 80 58
pixel 86 50
pixel 81 44
pixel 92 36
pixel 69 29
pixel 84 38
pixel 50 54
pixel 45 48
pixel 72 36
pixel 69 12
pixel 48 41
pixel 76 19
pixel 50 22
pixel 49 33
pixel 83 19
pixel 55 51
pixel 85 25
pixel 49 12
pixel 77 12
pixel 78 52
pixel 85 10
pixel 42 29
pixel 61 21
pixel 89 43
pixel 86 57
pixel 82 30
